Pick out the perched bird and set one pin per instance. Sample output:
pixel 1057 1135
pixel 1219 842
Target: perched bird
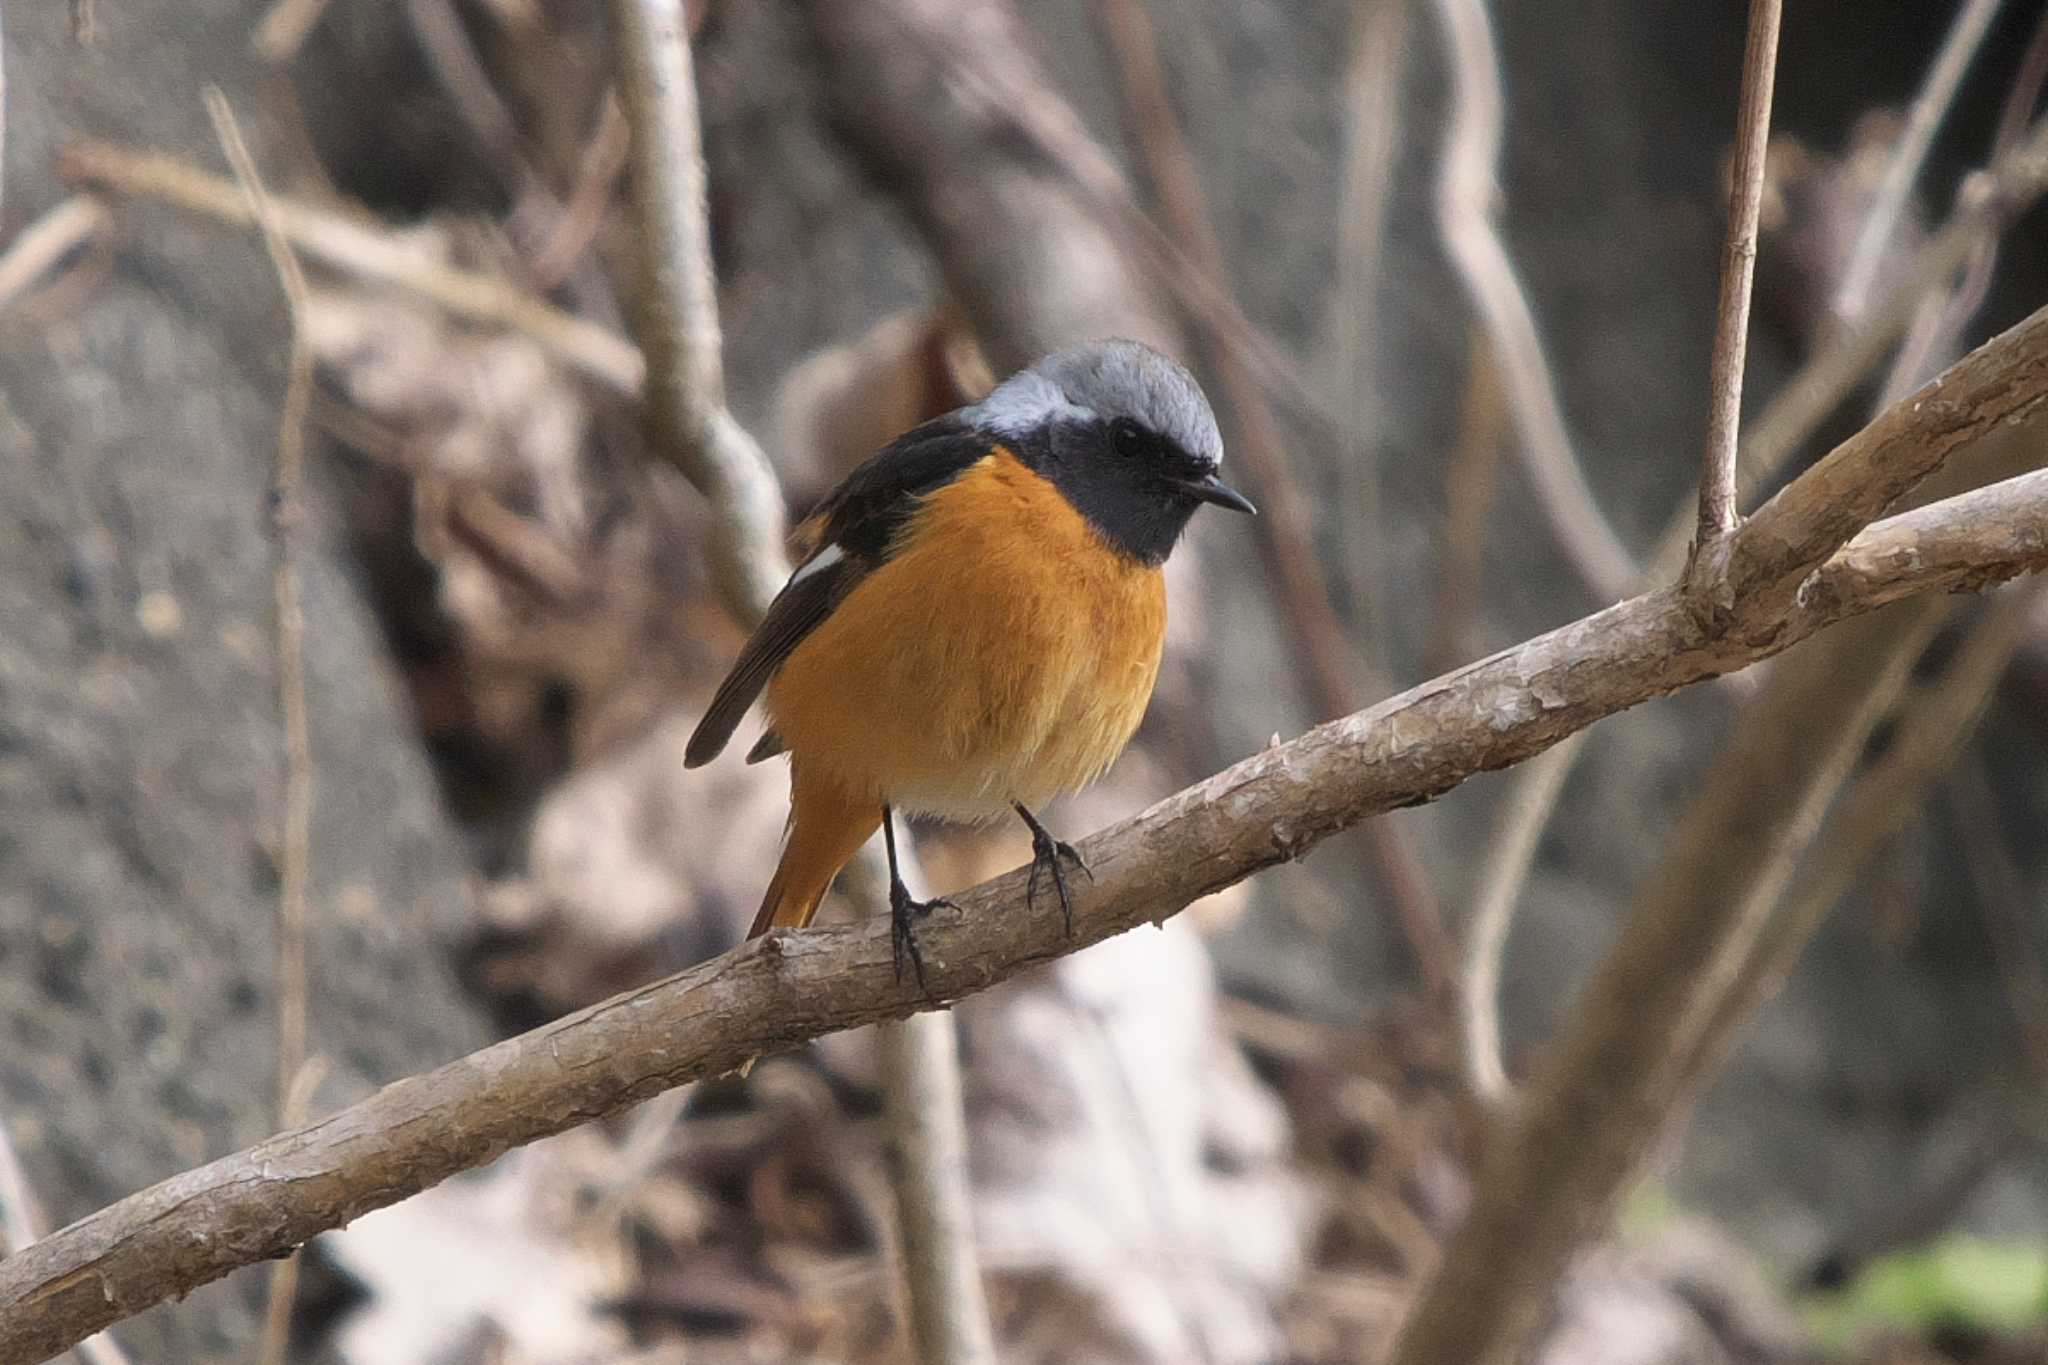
pixel 976 621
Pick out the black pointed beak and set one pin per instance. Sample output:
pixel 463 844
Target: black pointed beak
pixel 1211 489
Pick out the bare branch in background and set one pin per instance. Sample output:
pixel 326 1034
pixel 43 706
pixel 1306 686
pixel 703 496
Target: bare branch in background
pixel 1820 386
pixel 2002 896
pixel 1285 526
pixel 283 29
pixel 295 853
pixel 2018 179
pixel 1466 193
pixel 1508 859
pixel 598 172
pixel 1928 734
pixel 371 254
pixel 1552 1182
pixel 48 240
pixel 677 321
pixel 1471 477
pixel 1272 807
pixel 949 1318
pixel 676 313
pixel 1686 959
pixel 997 101
pixel 1930 106
pixel 1738 271
pixel 1372 126
pixel 1935 335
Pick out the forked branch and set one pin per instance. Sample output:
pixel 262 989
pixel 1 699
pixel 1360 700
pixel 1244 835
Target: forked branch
pixel 1274 806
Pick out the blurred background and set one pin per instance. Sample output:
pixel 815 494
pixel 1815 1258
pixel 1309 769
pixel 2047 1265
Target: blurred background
pixel 1241 1137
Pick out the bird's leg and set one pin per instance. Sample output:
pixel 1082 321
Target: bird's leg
pixel 904 910
pixel 1046 853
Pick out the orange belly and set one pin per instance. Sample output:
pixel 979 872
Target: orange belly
pixel 1003 653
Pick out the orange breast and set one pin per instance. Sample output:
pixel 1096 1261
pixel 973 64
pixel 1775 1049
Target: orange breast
pixel 1003 653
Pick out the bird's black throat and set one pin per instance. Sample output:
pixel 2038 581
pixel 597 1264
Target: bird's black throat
pixel 1126 495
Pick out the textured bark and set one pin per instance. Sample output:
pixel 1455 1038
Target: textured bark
pixel 1274 806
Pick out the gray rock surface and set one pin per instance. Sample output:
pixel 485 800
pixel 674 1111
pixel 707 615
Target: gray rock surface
pixel 141 766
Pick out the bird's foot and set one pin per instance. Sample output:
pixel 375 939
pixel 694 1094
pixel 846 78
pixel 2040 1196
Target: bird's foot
pixel 1049 856
pixel 904 912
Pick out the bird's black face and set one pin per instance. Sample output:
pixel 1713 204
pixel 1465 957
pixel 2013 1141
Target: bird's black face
pixel 1135 486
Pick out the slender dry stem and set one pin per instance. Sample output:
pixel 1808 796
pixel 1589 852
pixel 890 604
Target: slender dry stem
pixel 1466 195
pixel 48 240
pixel 1930 106
pixel 1508 859
pixel 949 1318
pixel 369 253
pixel 1738 272
pixel 1372 125
pixel 295 841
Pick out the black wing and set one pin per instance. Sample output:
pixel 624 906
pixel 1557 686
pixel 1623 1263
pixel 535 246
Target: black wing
pixel 853 531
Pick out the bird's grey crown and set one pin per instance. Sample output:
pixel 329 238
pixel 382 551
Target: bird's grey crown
pixel 1105 380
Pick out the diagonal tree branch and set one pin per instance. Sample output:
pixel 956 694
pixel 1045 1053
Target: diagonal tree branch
pixel 1274 806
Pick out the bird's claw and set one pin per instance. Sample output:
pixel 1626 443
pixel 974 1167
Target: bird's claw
pixel 904 912
pixel 1046 855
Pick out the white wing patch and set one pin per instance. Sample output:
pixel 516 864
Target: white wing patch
pixel 824 559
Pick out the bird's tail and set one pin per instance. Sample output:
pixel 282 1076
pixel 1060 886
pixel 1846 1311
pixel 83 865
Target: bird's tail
pixel 827 826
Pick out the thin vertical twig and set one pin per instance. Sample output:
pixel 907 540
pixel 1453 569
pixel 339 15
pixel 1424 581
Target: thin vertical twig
pixel 1930 106
pixel 295 853
pixel 1465 198
pixel 1508 860
pixel 949 1319
pixel 676 321
pixel 1470 478
pixel 1286 537
pixel 1372 121
pixel 1738 272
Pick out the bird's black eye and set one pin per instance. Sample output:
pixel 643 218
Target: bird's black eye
pixel 1127 438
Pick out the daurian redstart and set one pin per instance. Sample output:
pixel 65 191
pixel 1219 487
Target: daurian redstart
pixel 976 620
